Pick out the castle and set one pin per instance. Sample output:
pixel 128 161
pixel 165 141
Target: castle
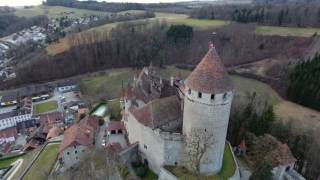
pixel 166 116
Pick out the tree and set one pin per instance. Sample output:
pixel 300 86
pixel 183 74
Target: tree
pixel 263 172
pixel 197 144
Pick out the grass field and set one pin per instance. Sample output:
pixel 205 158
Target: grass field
pixel 227 171
pixel 43 165
pixel 56 11
pixel 46 107
pixel 171 18
pixel 286 31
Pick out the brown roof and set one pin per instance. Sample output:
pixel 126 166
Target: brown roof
pixel 282 155
pixel 53 132
pixel 158 112
pixel 82 133
pixel 51 118
pixel 115 125
pixel 9 132
pixel 210 75
pixel 77 135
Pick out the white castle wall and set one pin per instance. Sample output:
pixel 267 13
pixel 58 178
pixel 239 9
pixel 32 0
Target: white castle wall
pixel 156 147
pixel 211 116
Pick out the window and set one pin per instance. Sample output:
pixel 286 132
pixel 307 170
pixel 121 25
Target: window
pixel 212 96
pixel 189 91
pixel 225 96
pixel 145 146
pixel 67 153
pixel 199 95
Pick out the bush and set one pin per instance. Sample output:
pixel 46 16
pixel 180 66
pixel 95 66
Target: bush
pixel 141 171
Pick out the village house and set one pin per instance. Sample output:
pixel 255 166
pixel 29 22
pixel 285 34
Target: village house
pixel 78 139
pixel 21 114
pixel 66 86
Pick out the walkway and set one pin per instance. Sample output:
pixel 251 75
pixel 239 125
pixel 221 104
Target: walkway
pixel 15 168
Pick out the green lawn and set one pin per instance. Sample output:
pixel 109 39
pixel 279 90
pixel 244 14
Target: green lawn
pixel 43 165
pixel 46 107
pixel 228 169
pixel 286 31
pixel 56 11
pixel 7 162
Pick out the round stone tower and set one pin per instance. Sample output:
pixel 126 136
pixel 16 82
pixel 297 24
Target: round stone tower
pixel 207 104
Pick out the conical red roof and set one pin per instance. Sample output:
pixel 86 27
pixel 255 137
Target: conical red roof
pixel 210 75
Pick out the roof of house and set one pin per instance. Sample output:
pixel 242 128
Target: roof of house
pixel 77 135
pixel 158 112
pixel 82 133
pixel 53 132
pixel 68 82
pixel 210 75
pixel 115 125
pixel 9 132
pixel 51 118
pixel 282 155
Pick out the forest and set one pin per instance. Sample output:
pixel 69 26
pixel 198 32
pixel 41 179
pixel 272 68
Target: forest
pixel 304 86
pixel 294 15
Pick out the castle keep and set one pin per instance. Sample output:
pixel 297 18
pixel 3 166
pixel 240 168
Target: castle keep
pixel 166 116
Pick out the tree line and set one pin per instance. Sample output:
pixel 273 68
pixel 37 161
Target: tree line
pixel 290 14
pixel 304 83
pixel 94 5
pixel 10 23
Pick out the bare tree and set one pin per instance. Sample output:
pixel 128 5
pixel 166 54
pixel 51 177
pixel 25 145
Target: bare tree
pixel 197 143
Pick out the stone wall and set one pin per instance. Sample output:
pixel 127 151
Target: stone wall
pixel 156 147
pixel 210 116
pixel 166 175
pixel 72 155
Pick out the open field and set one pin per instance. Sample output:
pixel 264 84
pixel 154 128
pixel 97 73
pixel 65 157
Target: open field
pixel 227 171
pixel 56 11
pixel 287 31
pixel 46 107
pixel 43 165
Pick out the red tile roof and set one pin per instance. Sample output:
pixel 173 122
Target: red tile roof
pixel 9 132
pixel 158 112
pixel 210 75
pixel 82 133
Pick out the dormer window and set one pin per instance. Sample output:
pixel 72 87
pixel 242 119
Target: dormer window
pixel 199 95
pixel 212 97
pixel 189 91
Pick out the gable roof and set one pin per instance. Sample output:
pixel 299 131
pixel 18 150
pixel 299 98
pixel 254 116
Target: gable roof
pixel 210 75
pixel 158 112
pixel 82 133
